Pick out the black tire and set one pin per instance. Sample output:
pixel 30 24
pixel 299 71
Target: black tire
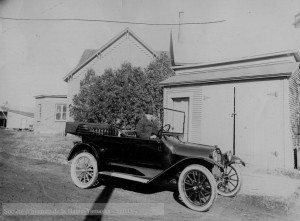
pixel 230 183
pixel 197 188
pixel 84 170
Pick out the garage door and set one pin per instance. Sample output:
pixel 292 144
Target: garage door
pixel 259 123
pixel 258 126
pixel 216 120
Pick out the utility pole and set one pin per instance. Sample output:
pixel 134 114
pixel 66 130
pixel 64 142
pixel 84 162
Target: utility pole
pixel 233 115
pixel 180 14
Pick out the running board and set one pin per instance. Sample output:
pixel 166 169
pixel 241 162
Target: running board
pixel 124 176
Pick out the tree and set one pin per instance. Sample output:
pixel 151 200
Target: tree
pixel 157 71
pixel 82 108
pixel 121 95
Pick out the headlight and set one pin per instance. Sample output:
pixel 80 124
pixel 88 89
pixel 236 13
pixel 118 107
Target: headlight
pixel 215 155
pixel 229 155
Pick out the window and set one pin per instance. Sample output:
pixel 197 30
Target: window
pixel 39 112
pixel 61 112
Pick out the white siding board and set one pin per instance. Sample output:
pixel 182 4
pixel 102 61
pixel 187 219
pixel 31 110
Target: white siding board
pixel 195 108
pixel 267 147
pixel 287 133
pixel 267 109
pixel 125 49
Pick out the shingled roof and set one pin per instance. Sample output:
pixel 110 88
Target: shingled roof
pixel 86 55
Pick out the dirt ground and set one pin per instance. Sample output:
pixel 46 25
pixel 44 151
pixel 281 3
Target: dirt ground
pixel 27 181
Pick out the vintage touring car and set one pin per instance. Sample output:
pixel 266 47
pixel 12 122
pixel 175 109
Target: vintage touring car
pixel 200 171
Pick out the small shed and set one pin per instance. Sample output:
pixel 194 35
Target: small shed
pixel 50 114
pixel 249 106
pixel 16 119
pixel 3 116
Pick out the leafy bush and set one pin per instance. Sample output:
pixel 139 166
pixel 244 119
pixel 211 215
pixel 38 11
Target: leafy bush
pixel 119 97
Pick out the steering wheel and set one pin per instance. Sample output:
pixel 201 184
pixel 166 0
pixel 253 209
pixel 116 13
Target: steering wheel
pixel 165 128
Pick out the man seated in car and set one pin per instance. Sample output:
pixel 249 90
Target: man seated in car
pixel 148 126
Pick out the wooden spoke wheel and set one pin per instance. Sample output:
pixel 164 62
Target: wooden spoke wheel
pixel 84 170
pixel 230 182
pixel 197 188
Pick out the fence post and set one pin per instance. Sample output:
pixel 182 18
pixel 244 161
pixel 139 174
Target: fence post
pixel 295 158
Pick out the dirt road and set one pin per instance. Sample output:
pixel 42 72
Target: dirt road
pixel 32 181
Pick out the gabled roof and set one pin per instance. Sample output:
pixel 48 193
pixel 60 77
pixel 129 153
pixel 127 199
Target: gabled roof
pixel 89 54
pixel 86 55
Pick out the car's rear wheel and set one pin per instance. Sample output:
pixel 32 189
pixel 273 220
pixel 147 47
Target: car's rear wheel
pixel 230 182
pixel 84 170
pixel 197 188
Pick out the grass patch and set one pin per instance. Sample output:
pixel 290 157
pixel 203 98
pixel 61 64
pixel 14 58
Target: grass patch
pixel 291 173
pixel 53 148
pixel 268 204
pixel 253 207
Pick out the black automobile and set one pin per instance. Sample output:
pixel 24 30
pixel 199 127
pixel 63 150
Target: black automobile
pixel 200 171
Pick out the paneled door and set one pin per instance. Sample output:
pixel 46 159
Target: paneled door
pixel 181 104
pixel 216 116
pixel 259 123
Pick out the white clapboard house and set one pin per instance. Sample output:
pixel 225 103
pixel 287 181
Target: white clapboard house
pixel 249 106
pixel 125 47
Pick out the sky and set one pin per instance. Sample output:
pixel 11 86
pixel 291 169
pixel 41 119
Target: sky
pixel 36 55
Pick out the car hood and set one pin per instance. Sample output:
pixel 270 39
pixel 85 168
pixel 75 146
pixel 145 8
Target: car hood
pixel 187 149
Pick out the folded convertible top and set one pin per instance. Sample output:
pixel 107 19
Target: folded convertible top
pixel 78 128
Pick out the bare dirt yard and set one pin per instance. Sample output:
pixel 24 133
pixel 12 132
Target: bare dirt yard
pixel 34 174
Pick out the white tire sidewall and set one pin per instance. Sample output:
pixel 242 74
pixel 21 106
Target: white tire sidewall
pixel 211 180
pixel 238 187
pixel 73 170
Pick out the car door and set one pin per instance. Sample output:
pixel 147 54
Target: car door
pixel 143 152
pixel 113 146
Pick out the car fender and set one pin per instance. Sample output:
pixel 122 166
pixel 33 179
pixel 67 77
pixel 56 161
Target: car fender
pixel 80 147
pixel 236 160
pixel 206 162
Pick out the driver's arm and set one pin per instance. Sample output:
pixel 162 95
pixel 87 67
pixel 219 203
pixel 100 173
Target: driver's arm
pixel 156 126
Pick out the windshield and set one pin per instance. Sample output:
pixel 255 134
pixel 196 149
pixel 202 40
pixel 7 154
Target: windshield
pixel 176 137
pixel 176 120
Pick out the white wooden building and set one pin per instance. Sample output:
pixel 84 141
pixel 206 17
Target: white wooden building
pixel 249 106
pixel 50 114
pixel 125 47
pixel 16 119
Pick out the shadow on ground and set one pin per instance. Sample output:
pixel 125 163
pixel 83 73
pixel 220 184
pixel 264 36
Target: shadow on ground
pixel 110 184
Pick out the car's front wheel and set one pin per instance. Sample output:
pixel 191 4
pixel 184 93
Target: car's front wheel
pixel 197 188
pixel 229 184
pixel 84 170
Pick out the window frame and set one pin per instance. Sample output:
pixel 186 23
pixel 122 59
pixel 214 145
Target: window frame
pixel 39 113
pixel 61 112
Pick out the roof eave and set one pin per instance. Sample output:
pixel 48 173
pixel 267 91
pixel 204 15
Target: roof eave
pixel 293 53
pixel 50 96
pixel 218 80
